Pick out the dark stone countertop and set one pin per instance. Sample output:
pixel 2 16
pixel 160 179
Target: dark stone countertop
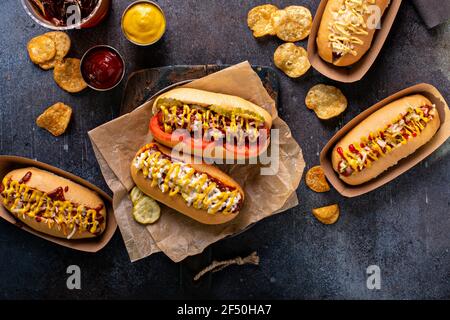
pixel 402 227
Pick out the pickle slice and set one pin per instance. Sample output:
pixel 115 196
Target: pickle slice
pixel 145 209
pixel 238 112
pixel 136 194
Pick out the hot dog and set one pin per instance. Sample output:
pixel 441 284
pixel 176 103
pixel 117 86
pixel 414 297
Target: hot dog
pixel 53 205
pixel 347 29
pixel 199 191
pixel 384 138
pixel 226 126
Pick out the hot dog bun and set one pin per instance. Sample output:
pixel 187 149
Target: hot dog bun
pixel 206 99
pixel 323 43
pixel 377 121
pixel 177 202
pixel 47 182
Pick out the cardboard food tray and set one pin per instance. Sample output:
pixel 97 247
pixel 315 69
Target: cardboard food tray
pixel 403 165
pixel 358 70
pixel 8 163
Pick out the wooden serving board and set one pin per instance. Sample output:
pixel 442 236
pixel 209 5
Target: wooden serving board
pixel 144 84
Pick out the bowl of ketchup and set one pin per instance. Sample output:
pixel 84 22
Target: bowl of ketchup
pixel 102 67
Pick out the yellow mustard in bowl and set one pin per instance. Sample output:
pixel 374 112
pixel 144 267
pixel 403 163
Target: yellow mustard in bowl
pixel 143 23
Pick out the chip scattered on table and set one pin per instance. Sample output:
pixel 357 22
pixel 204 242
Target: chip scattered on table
pixel 292 24
pixel 326 101
pixel 55 119
pixel 68 76
pixel 327 215
pixel 316 181
pixel 292 60
pixel 259 20
pixel 41 49
pixel 62 45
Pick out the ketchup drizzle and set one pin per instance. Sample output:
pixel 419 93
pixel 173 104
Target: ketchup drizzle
pixel 25 178
pixel 57 194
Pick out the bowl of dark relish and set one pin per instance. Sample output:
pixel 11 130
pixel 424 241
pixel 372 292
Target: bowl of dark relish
pixel 67 14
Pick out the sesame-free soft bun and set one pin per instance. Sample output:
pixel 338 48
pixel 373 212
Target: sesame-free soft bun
pixel 52 204
pixel 384 138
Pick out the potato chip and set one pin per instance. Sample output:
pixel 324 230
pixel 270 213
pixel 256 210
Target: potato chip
pixel 136 194
pixel 258 20
pixel 327 215
pixel 292 60
pixel 47 65
pixel 41 49
pixel 292 24
pixel 316 181
pixel 62 45
pixel 55 119
pixel 327 101
pixel 68 76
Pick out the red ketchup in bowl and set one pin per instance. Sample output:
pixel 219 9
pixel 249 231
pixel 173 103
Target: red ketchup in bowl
pixel 102 67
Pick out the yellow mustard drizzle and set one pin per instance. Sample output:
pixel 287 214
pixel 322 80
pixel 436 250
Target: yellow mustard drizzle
pixel 348 24
pixel 407 126
pixel 25 201
pixel 208 120
pixel 196 188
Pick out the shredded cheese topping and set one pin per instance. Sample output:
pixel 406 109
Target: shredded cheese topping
pixel 196 188
pixel 349 23
pixel 362 154
pixel 235 126
pixel 24 201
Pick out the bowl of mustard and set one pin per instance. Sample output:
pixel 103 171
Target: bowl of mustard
pixel 143 23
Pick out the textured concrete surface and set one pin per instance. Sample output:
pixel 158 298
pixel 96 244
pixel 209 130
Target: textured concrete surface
pixel 403 227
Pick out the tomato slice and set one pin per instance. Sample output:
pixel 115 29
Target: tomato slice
pixel 243 151
pixel 249 151
pixel 160 135
pixel 157 131
pixel 196 144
